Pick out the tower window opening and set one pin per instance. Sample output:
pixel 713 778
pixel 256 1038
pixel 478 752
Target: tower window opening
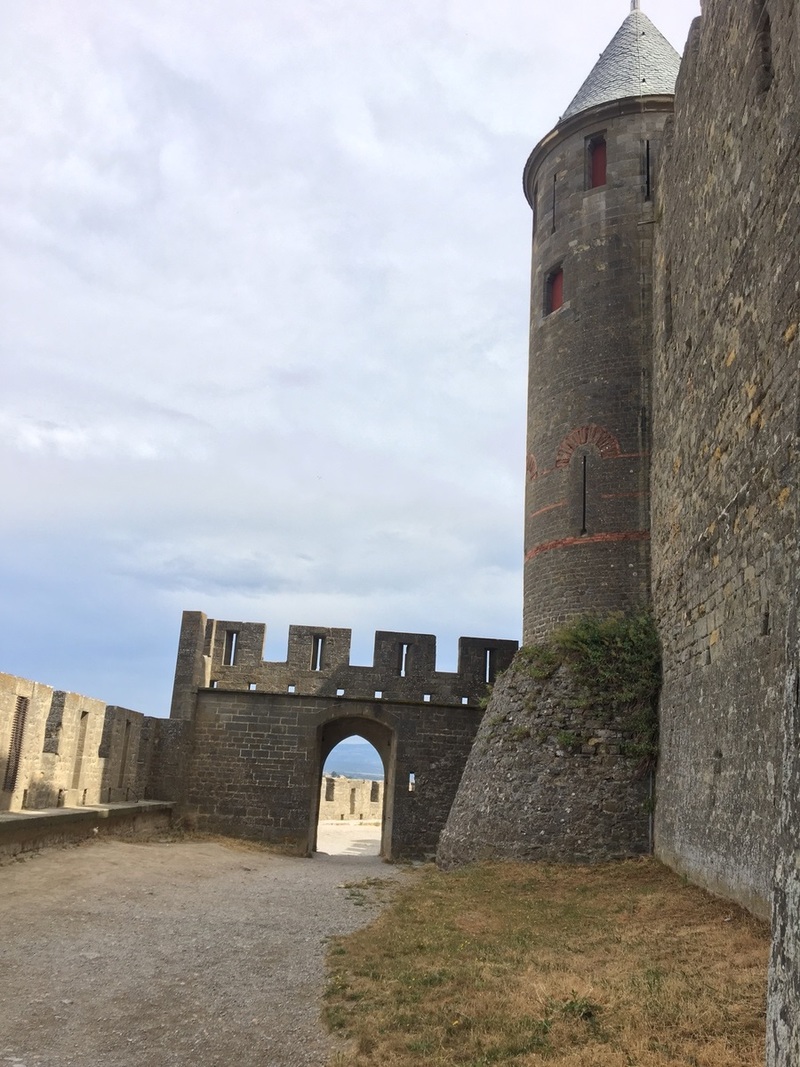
pixel 554 203
pixel 412 783
pixel 648 187
pixel 330 789
pixel 596 147
pixel 489 666
pixel 229 652
pixel 554 291
pixel 402 663
pixel 584 475
pixel 317 645
pixel 374 792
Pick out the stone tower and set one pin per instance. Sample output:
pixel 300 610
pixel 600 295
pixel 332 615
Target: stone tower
pixel 590 184
pixel 547 777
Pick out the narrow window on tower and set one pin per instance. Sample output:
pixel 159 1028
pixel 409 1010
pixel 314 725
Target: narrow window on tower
pixel 596 161
pixel 554 291
pixel 648 182
pixel 584 487
pixel 554 203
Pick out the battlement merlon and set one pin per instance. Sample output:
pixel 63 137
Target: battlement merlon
pixel 227 654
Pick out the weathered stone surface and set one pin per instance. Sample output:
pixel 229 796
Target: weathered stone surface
pixel 724 422
pixel 546 781
pixel 724 476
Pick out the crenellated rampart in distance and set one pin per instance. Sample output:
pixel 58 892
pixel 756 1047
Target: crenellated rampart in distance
pixel 60 749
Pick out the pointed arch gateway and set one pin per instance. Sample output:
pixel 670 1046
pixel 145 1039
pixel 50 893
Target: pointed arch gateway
pixel 382 738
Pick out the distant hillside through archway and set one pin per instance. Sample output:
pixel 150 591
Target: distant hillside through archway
pixel 354 758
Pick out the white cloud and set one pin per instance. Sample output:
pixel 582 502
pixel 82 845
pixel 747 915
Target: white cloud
pixel 264 292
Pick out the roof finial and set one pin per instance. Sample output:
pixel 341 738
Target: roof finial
pixel 636 5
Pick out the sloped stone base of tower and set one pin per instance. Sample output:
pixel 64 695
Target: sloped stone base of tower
pixel 547 779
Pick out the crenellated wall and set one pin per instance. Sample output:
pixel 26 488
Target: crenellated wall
pixel 229 655
pixel 60 749
pixel 259 732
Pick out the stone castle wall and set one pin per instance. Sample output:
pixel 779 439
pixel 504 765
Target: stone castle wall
pixel 547 779
pixel 724 477
pixel 60 749
pixel 258 733
pixel 725 546
pixel 351 799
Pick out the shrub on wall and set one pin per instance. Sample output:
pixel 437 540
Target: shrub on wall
pixel 615 664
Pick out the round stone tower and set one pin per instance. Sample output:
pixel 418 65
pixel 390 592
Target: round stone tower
pixel 591 183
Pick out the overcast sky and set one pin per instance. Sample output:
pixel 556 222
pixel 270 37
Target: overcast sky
pixel 264 301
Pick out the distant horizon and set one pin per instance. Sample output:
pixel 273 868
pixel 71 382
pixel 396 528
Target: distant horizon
pixel 355 758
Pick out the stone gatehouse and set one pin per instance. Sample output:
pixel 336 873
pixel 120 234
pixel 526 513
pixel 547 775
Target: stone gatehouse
pixel 256 734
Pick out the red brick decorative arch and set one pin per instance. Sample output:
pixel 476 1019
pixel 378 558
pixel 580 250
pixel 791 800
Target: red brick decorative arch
pixel 605 443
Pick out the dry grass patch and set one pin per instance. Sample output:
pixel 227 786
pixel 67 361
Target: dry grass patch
pixel 610 966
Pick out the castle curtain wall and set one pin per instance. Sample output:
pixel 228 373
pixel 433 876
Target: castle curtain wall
pixel 724 516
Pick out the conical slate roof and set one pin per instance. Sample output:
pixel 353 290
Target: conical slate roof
pixel 640 61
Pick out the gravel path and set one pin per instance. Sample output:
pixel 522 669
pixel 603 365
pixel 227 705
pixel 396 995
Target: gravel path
pixel 195 954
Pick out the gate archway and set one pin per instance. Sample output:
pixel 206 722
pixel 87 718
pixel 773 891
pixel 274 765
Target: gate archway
pixel 382 739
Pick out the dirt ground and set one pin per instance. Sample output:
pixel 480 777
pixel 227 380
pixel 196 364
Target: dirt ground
pixel 177 953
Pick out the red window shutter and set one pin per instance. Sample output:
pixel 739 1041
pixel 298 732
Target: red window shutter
pixel 598 162
pixel 556 290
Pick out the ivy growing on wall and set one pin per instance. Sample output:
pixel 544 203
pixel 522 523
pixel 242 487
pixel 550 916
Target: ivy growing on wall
pixel 615 664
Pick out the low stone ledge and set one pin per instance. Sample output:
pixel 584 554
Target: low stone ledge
pixel 26 831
